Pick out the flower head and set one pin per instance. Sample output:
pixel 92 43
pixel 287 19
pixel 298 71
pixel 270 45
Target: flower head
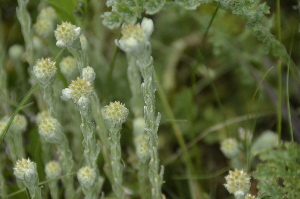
pixel 41 115
pixel 44 71
pixel 19 123
pixel 66 34
pixel 135 37
pixel 78 88
pixel 115 113
pixel 50 130
pixel 142 149
pixel 47 13
pixel 86 176
pixel 88 73
pixel 15 52
pixel 237 183
pixel 68 66
pixel 26 171
pixel 52 169
pixel 230 147
pixel 44 27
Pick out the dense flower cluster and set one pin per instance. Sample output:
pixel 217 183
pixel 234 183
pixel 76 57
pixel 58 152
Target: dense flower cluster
pixel 50 130
pixel 66 34
pixel 115 113
pixel 26 171
pixel 237 183
pixel 135 37
pixel 44 71
pixel 86 176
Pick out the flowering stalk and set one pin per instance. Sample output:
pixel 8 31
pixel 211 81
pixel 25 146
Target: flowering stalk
pixel 135 41
pixel 80 92
pixel 115 114
pixel 143 154
pixel 136 102
pixel 53 170
pixel 25 170
pixel 68 35
pixel 51 131
pixel 86 177
pixel 26 27
pixel 45 71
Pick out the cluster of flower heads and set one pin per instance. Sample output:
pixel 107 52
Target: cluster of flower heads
pixel 26 171
pixel 115 113
pixel 50 130
pixel 66 34
pixel 81 89
pixel 45 23
pixel 44 71
pixel 135 37
pixel 237 183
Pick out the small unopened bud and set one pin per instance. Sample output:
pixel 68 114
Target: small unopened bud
pixel 53 169
pixel 230 147
pixel 88 73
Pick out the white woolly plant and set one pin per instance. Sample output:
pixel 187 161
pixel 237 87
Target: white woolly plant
pixel 51 131
pixel 26 171
pixel 135 42
pixel 115 114
pixel 80 92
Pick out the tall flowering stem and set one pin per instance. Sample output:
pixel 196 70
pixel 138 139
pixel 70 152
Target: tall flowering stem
pixel 135 41
pixel 45 72
pixel 80 92
pixel 51 131
pixel 115 114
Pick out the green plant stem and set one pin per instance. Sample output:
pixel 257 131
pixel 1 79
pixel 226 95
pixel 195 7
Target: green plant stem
pixel 287 93
pixel 208 27
pixel 179 137
pixel 19 107
pixel 279 70
pixel 110 72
